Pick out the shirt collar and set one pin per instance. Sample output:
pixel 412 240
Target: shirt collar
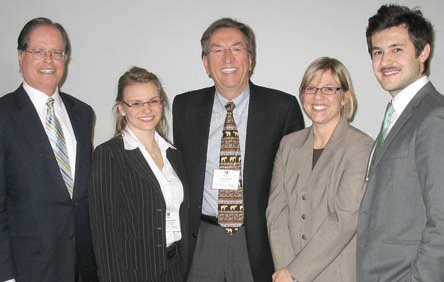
pixel 240 101
pixel 39 98
pixel 130 141
pixel 401 100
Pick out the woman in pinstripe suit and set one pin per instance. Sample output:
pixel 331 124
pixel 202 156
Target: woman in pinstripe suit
pixel 137 187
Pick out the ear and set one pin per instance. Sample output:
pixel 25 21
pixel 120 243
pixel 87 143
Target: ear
pixel 205 62
pixel 345 98
pixel 120 109
pixel 425 53
pixel 20 57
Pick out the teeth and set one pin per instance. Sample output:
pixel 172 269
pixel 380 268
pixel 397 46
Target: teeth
pixel 318 108
pixel 146 118
pixel 390 72
pixel 47 71
pixel 231 70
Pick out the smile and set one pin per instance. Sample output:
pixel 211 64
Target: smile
pixel 319 107
pixel 47 71
pixel 146 118
pixel 228 70
pixel 390 72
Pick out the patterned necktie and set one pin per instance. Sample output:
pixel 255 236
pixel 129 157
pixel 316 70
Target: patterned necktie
pixel 388 119
pixel 55 134
pixel 230 202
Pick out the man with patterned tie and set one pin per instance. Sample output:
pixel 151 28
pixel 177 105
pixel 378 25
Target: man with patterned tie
pixel 229 135
pixel 401 220
pixel 45 148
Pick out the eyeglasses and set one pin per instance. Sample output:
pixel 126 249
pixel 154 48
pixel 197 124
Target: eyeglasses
pixel 328 90
pixel 220 51
pixel 39 53
pixel 139 105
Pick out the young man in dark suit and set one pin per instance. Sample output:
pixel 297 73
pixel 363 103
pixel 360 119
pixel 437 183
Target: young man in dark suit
pixel 45 149
pixel 401 225
pixel 238 250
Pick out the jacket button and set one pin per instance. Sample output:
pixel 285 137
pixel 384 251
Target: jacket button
pixel 304 237
pixel 195 234
pixel 304 197
pixel 303 216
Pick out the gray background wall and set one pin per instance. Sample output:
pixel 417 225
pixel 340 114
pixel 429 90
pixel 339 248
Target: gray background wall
pixel 108 37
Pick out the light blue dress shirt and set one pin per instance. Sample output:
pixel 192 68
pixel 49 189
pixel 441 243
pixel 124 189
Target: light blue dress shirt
pixel 209 201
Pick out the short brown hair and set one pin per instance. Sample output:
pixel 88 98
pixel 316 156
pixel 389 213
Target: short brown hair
pixel 23 39
pixel 231 23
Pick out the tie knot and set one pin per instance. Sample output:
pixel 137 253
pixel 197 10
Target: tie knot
pixel 229 106
pixel 50 103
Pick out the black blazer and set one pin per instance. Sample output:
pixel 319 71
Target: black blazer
pixel 128 214
pixel 271 115
pixel 42 230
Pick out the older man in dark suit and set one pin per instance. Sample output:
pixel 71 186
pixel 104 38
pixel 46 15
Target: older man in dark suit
pixel 401 220
pixel 45 148
pixel 227 209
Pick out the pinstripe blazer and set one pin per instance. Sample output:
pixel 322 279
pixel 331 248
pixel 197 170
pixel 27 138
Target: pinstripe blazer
pixel 128 214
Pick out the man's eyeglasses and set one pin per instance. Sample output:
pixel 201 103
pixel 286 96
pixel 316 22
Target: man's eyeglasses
pixel 328 90
pixel 139 105
pixel 220 51
pixel 39 53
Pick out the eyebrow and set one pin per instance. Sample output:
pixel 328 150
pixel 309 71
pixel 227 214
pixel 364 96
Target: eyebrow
pixel 238 43
pixel 390 46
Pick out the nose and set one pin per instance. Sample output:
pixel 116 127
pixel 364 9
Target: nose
pixel 318 94
pixel 47 56
pixel 228 55
pixel 386 59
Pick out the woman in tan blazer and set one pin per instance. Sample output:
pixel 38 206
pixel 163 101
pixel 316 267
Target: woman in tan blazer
pixel 317 183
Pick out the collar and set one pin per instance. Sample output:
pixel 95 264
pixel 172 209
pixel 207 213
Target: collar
pixel 39 98
pixel 404 97
pixel 130 141
pixel 240 101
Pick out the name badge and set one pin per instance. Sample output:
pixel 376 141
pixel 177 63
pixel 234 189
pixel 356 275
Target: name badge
pixel 172 221
pixel 226 179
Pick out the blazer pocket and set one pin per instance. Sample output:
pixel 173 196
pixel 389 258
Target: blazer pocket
pixel 401 242
pixel 25 245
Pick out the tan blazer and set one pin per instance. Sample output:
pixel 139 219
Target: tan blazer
pixel 312 215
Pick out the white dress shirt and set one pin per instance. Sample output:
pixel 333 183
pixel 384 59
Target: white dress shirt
pixel 401 100
pixel 170 184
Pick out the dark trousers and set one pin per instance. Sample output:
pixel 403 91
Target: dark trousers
pixel 220 257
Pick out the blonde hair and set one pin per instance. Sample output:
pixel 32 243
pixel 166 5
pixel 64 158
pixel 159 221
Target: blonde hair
pixel 340 74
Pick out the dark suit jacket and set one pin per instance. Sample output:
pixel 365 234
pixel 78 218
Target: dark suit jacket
pixel 42 230
pixel 401 220
pixel 271 115
pixel 128 214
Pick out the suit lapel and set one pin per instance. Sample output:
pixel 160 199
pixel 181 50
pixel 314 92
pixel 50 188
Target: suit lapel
pixel 29 123
pixel 405 116
pixel 80 128
pixel 255 125
pixel 200 126
pixel 304 153
pixel 326 157
pixel 137 163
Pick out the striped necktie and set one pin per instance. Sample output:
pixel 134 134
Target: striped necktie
pixel 55 135
pixel 388 120
pixel 230 202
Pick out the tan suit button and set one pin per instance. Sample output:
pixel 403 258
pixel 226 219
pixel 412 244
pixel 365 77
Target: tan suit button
pixel 303 216
pixel 304 197
pixel 304 237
